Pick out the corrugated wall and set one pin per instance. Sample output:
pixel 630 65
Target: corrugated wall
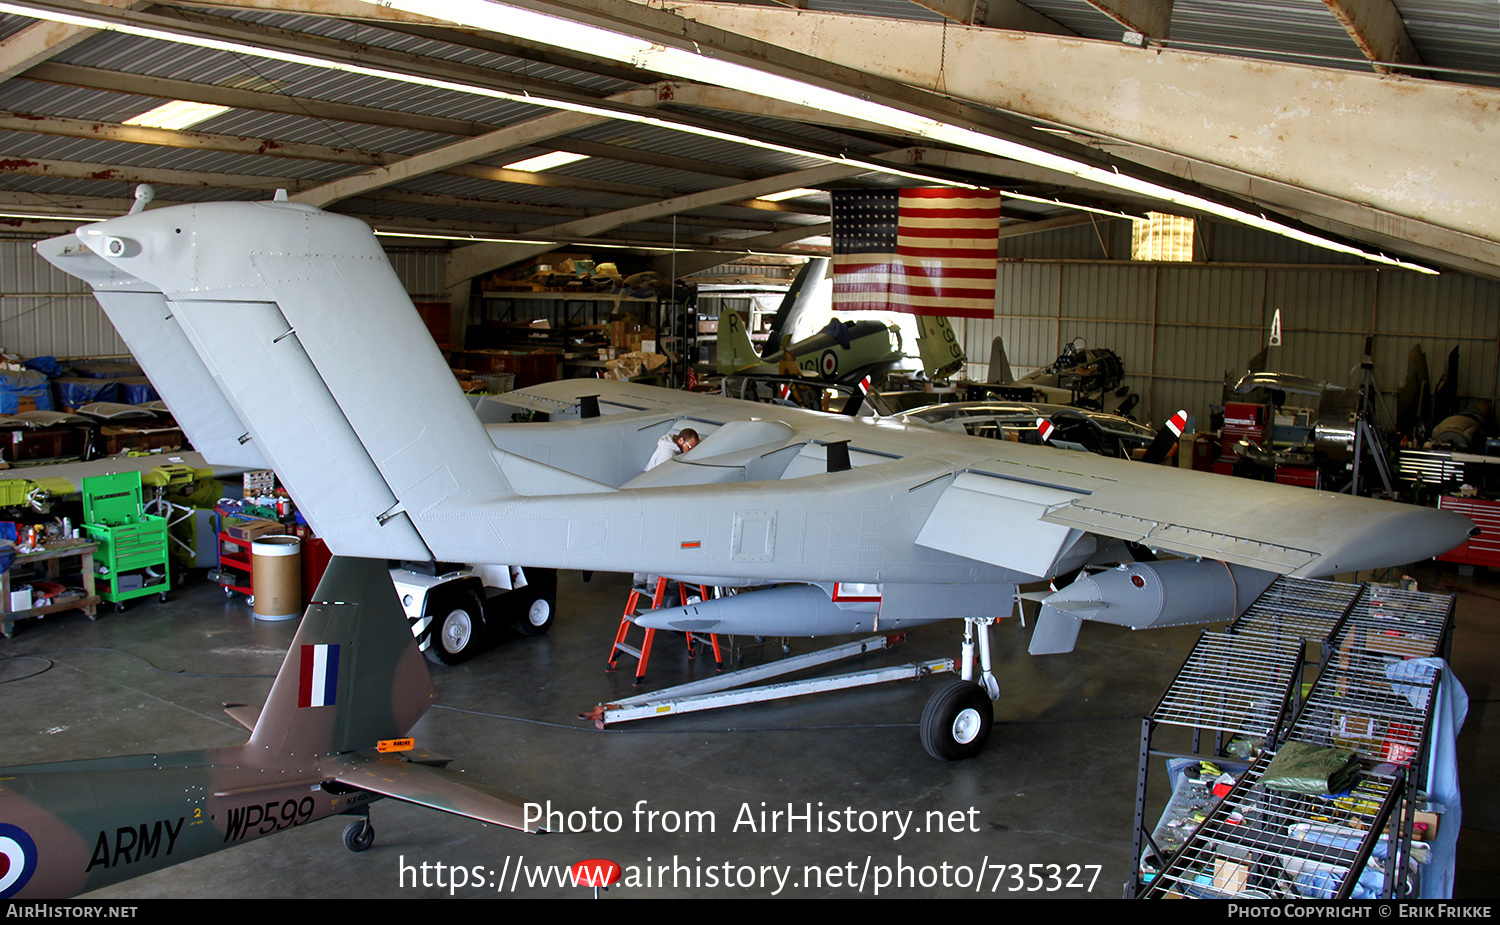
pixel 45 312
pixel 1180 328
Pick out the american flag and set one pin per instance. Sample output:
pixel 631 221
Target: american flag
pixel 923 251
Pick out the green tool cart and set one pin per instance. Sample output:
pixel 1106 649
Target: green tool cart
pixel 132 557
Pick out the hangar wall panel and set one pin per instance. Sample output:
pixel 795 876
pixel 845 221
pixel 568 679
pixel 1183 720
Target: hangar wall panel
pixel 1180 327
pixel 45 312
pixel 421 272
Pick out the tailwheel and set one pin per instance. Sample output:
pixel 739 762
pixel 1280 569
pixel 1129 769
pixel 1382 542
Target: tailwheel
pixel 956 722
pixel 359 835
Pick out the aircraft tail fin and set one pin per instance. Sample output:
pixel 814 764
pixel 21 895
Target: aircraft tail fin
pixel 307 333
pixel 938 347
pixel 143 319
pixel 353 676
pixel 798 299
pixel 999 363
pixel 736 350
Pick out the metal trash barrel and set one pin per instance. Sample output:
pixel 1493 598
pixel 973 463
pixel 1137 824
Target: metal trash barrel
pixel 276 575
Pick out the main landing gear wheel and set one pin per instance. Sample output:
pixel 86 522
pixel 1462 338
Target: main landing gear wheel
pixel 536 604
pixel 359 835
pixel 453 636
pixel 536 619
pixel 956 722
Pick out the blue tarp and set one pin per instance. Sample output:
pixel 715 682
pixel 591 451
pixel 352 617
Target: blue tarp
pixel 20 390
pixel 74 393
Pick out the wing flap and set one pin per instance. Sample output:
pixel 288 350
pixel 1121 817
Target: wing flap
pixel 1183 540
pixel 435 788
pixel 999 521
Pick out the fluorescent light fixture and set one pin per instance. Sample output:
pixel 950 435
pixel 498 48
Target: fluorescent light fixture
pixel 790 194
pixel 1067 205
pixel 177 115
pixel 42 217
pixel 546 161
pixel 469 238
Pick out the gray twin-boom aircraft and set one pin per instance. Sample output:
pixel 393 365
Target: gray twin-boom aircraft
pixel 280 337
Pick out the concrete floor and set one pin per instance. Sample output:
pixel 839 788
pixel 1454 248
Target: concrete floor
pixel 1055 786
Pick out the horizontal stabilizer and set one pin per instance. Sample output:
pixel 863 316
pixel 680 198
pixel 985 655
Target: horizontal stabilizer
pixel 243 713
pixel 435 788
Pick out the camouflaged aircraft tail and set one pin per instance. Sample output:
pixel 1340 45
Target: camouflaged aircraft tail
pixel 353 676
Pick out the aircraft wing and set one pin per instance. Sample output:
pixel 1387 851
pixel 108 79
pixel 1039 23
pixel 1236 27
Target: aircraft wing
pixel 1028 520
pixel 436 788
pixel 1030 511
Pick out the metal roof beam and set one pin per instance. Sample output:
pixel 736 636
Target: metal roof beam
pixel 984 165
pixel 246 144
pixel 73 75
pixel 41 40
pixel 198 141
pixel 197 179
pixel 262 35
pixel 995 14
pixel 678 266
pixel 1377 28
pixel 475 260
pixel 240 144
pixel 552 210
pixel 79 170
pixel 78 208
pixel 432 28
pixel 508 138
pixel 1467 253
pixel 1150 18
pixel 1356 140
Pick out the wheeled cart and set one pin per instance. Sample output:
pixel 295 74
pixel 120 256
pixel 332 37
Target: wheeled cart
pixel 132 557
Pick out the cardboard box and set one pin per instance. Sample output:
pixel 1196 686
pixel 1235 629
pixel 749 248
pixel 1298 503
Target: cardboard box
pixel 1231 876
pixel 252 529
pixel 1391 642
pixel 1430 820
pixel 259 482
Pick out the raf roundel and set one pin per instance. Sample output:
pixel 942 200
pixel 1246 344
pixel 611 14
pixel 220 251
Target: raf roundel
pixel 17 859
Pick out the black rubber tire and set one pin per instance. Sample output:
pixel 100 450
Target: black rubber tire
pixel 957 721
pixel 456 632
pixel 359 835
pixel 535 606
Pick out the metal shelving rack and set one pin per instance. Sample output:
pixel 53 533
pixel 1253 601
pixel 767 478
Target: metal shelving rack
pixel 1368 698
pixel 1309 609
pixel 1234 686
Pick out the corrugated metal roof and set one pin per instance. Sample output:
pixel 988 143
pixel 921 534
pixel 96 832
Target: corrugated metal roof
pixel 1455 34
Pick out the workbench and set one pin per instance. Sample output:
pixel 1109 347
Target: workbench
pixel 51 557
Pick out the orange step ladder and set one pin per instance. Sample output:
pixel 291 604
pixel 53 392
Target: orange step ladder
pixel 643 654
